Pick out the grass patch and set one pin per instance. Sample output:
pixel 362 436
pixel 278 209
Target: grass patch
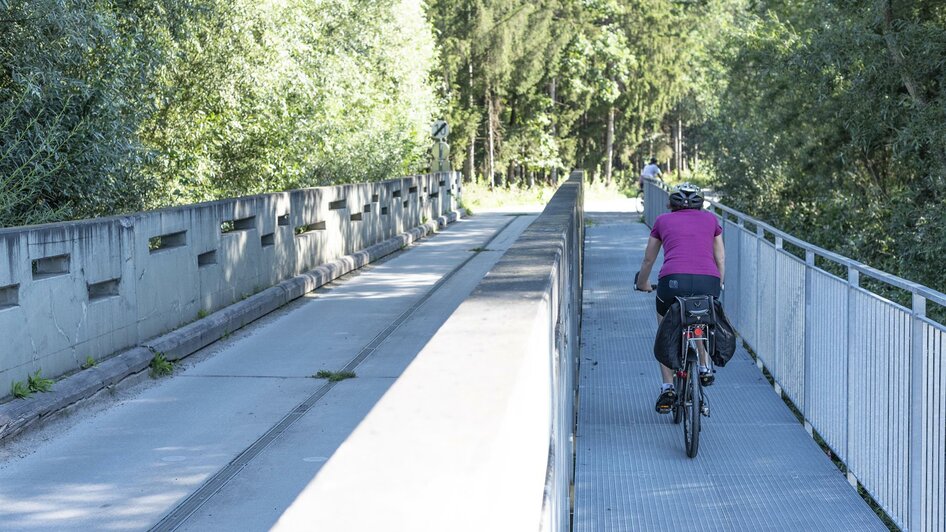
pixel 89 362
pixel 334 376
pixel 478 196
pixel 37 383
pixel 160 366
pixel 201 314
pixel 590 223
pixel 463 205
pixel 20 390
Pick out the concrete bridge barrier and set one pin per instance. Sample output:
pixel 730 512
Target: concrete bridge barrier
pixel 476 434
pixel 93 288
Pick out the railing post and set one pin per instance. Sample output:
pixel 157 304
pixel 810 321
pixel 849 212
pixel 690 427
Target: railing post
pixel 740 304
pixel 917 413
pixel 853 282
pixel 809 279
pixel 759 237
pixel 777 345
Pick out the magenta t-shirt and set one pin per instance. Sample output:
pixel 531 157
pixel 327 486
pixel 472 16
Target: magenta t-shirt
pixel 687 237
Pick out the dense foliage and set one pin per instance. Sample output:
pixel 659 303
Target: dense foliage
pixel 534 87
pixel 831 125
pixel 67 113
pixel 825 117
pixel 109 106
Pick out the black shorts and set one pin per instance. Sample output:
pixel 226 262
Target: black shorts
pixel 683 285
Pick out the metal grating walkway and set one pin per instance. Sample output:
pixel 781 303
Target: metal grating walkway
pixel 757 468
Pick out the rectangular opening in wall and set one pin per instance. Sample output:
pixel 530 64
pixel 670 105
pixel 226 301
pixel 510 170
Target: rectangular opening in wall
pixel 240 224
pixel 425 189
pixel 367 208
pixel 412 190
pixel 9 296
pixel 384 211
pixel 168 241
pixel 268 239
pixel 442 182
pixel 405 204
pixel 357 217
pixel 337 205
pixel 50 266
pixel 206 259
pixel 375 198
pixel 434 195
pixel 308 228
pixel 397 193
pixel 104 289
pixel 245 224
pixel 283 220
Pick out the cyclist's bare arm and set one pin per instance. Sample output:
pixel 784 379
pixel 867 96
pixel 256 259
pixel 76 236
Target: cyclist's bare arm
pixel 719 254
pixel 650 257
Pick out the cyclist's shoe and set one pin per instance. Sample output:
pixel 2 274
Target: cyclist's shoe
pixel 707 378
pixel 665 401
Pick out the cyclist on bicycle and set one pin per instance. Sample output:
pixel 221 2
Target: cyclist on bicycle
pixel 651 171
pixel 694 264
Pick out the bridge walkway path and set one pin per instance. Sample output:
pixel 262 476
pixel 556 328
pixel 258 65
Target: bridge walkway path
pixel 230 440
pixel 757 468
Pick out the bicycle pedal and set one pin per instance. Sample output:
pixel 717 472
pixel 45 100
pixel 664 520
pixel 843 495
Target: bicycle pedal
pixel 705 410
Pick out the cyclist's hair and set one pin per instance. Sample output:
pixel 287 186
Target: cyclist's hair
pixel 653 160
pixel 686 196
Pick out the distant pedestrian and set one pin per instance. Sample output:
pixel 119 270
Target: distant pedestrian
pixel 652 171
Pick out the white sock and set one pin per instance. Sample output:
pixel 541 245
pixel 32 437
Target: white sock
pixel 664 387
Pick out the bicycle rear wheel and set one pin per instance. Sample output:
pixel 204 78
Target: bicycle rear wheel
pixel 692 399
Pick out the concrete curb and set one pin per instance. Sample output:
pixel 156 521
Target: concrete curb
pixel 18 414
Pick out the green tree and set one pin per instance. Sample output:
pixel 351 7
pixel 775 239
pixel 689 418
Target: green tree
pixel 67 123
pixel 832 118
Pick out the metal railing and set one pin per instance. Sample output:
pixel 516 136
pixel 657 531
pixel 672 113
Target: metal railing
pixel 868 374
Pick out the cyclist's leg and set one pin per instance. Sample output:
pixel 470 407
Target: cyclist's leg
pixel 664 300
pixel 667 394
pixel 666 374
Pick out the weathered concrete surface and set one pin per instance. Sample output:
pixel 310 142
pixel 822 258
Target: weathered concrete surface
pixel 19 414
pixel 97 287
pixel 475 435
pixel 261 493
pixel 124 468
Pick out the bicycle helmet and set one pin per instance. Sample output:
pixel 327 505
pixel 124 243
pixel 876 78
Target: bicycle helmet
pixel 686 196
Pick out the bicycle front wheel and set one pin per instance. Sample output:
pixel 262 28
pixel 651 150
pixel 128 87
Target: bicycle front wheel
pixel 692 404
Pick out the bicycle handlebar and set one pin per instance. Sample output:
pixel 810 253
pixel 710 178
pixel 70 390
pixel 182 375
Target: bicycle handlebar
pixel 652 287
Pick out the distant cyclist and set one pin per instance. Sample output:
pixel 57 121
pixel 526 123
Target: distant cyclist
pixel 694 264
pixel 651 171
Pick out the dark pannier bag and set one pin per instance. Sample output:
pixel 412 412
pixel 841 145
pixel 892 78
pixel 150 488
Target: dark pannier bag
pixel 669 341
pixel 724 337
pixel 668 345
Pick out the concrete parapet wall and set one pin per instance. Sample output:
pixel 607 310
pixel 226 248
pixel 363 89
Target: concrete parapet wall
pixel 476 434
pixel 96 287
